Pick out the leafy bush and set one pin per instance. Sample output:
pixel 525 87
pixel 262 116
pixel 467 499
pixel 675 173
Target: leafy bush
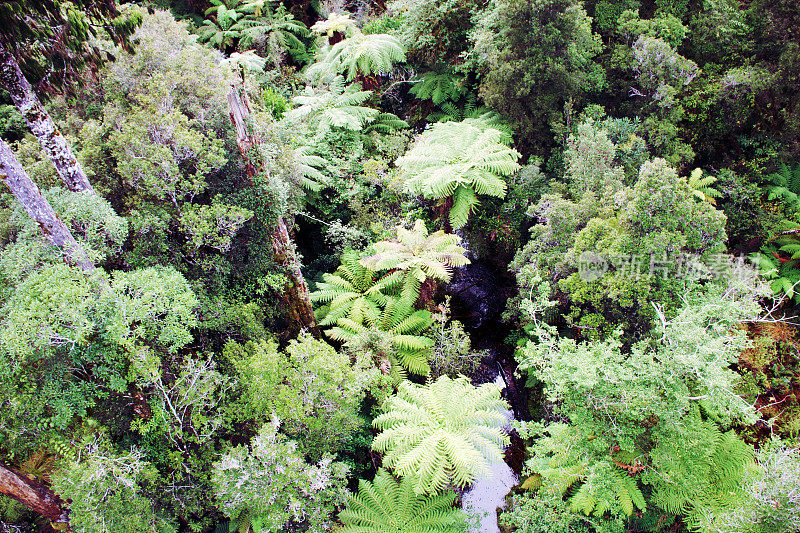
pixel 268 487
pixel 314 390
pixel 107 492
pixel 629 425
pixel 537 56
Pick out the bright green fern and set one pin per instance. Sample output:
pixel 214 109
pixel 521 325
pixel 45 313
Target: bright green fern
pixel 224 30
pixel 338 106
pixel 702 187
pixel 307 169
pixel 595 482
pixel 708 471
pixel 779 256
pixel 447 432
pixel 275 33
pixel 386 123
pixel 354 292
pixel 458 160
pixel 359 54
pixel 423 255
pixel 386 506
pixel 397 339
pixel 420 255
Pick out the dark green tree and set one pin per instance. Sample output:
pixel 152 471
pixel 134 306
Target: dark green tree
pixel 536 56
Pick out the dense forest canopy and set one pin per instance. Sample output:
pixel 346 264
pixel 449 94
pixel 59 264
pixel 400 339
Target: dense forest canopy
pixel 305 266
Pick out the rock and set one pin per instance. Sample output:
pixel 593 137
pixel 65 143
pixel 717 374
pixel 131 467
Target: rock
pixel 477 297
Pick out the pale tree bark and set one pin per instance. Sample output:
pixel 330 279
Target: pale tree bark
pixel 41 124
pixel 33 495
pixel 296 294
pixel 39 209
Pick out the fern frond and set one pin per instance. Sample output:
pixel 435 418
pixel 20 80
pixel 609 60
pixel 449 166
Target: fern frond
pixel 421 254
pixel 386 123
pixel 442 432
pixel 438 87
pixel 458 156
pixel 352 292
pixel 386 506
pixel 365 54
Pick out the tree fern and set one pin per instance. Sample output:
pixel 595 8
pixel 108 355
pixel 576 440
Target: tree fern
pixel 396 339
pixel 438 87
pixel 224 30
pixel 256 8
pixel 421 254
pixel 779 260
pixel 593 481
pixel 274 33
pixel 785 186
pixel 606 486
pixel 706 472
pixel 386 123
pixel 458 160
pixel 224 4
pixel 386 506
pixel 472 113
pixel 335 23
pixel 335 107
pixel 360 54
pixel 445 432
pixel 353 292
pixel 702 187
pixel 308 167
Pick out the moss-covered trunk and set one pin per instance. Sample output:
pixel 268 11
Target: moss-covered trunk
pixel 39 209
pixel 296 294
pixel 33 495
pixel 41 124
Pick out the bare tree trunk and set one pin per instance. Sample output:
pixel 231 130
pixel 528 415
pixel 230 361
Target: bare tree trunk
pixel 41 124
pixel 33 495
pixel 39 209
pixel 300 311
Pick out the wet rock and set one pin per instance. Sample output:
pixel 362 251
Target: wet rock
pixel 477 297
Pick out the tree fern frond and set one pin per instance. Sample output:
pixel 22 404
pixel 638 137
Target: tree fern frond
pixel 421 254
pixel 352 292
pixel 386 123
pixel 428 432
pixel 386 506
pixel 364 54
pixel 336 107
pixel 438 87
pixel 458 155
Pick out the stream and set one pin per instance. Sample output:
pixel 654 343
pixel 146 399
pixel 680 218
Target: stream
pixel 478 298
pixel 488 494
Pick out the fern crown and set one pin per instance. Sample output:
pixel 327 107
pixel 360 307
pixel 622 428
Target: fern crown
pixel 460 160
pixel 353 292
pixel 396 337
pixel 335 23
pixel 445 432
pixel 386 506
pixel 358 54
pixel 335 107
pixel 703 187
pixel 421 254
